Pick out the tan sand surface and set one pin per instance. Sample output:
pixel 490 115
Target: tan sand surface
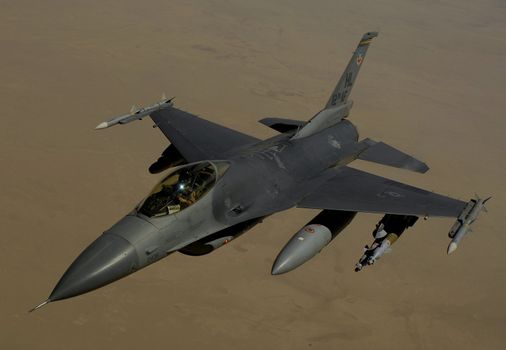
pixel 433 84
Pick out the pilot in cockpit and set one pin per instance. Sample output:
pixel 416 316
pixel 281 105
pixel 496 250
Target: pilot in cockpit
pixel 157 202
pixel 179 190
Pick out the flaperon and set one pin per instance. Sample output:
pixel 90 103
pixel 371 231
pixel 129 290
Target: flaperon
pixel 218 183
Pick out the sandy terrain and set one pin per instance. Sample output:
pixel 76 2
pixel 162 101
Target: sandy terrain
pixel 433 85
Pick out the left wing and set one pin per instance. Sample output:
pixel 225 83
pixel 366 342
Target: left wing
pixel 355 190
pixel 193 137
pixel 196 138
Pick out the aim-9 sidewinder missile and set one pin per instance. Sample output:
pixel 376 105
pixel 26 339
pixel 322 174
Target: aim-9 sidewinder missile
pixel 136 114
pixel 463 224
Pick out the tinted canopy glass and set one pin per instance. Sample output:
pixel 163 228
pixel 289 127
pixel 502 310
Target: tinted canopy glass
pixel 179 189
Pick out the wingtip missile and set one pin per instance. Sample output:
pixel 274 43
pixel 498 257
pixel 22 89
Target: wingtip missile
pixel 102 125
pixel 462 226
pixel 136 114
pixel 451 247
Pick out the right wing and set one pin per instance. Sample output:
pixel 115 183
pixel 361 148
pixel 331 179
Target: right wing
pixel 355 190
pixel 196 138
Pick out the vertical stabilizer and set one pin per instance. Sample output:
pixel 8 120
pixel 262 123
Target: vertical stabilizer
pixel 338 106
pixel 343 88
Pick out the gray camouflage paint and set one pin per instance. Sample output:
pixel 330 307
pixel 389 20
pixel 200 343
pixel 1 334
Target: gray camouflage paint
pixel 304 166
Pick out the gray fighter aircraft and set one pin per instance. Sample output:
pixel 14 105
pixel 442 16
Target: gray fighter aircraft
pixel 219 183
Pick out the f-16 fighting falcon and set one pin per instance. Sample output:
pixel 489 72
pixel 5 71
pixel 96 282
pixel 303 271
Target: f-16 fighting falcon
pixel 218 183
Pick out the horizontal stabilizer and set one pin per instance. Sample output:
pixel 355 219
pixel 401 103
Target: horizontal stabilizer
pixel 281 124
pixel 381 153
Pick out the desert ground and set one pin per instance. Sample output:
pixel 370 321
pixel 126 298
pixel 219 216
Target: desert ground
pixel 433 84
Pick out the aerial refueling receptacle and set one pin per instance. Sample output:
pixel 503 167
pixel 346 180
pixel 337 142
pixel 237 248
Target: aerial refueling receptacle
pixel 386 233
pixel 311 239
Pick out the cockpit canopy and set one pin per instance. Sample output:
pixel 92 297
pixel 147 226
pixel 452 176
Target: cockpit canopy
pixel 181 188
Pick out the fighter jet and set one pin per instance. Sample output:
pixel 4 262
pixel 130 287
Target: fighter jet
pixel 218 183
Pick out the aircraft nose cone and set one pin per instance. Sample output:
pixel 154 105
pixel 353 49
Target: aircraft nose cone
pixel 109 258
